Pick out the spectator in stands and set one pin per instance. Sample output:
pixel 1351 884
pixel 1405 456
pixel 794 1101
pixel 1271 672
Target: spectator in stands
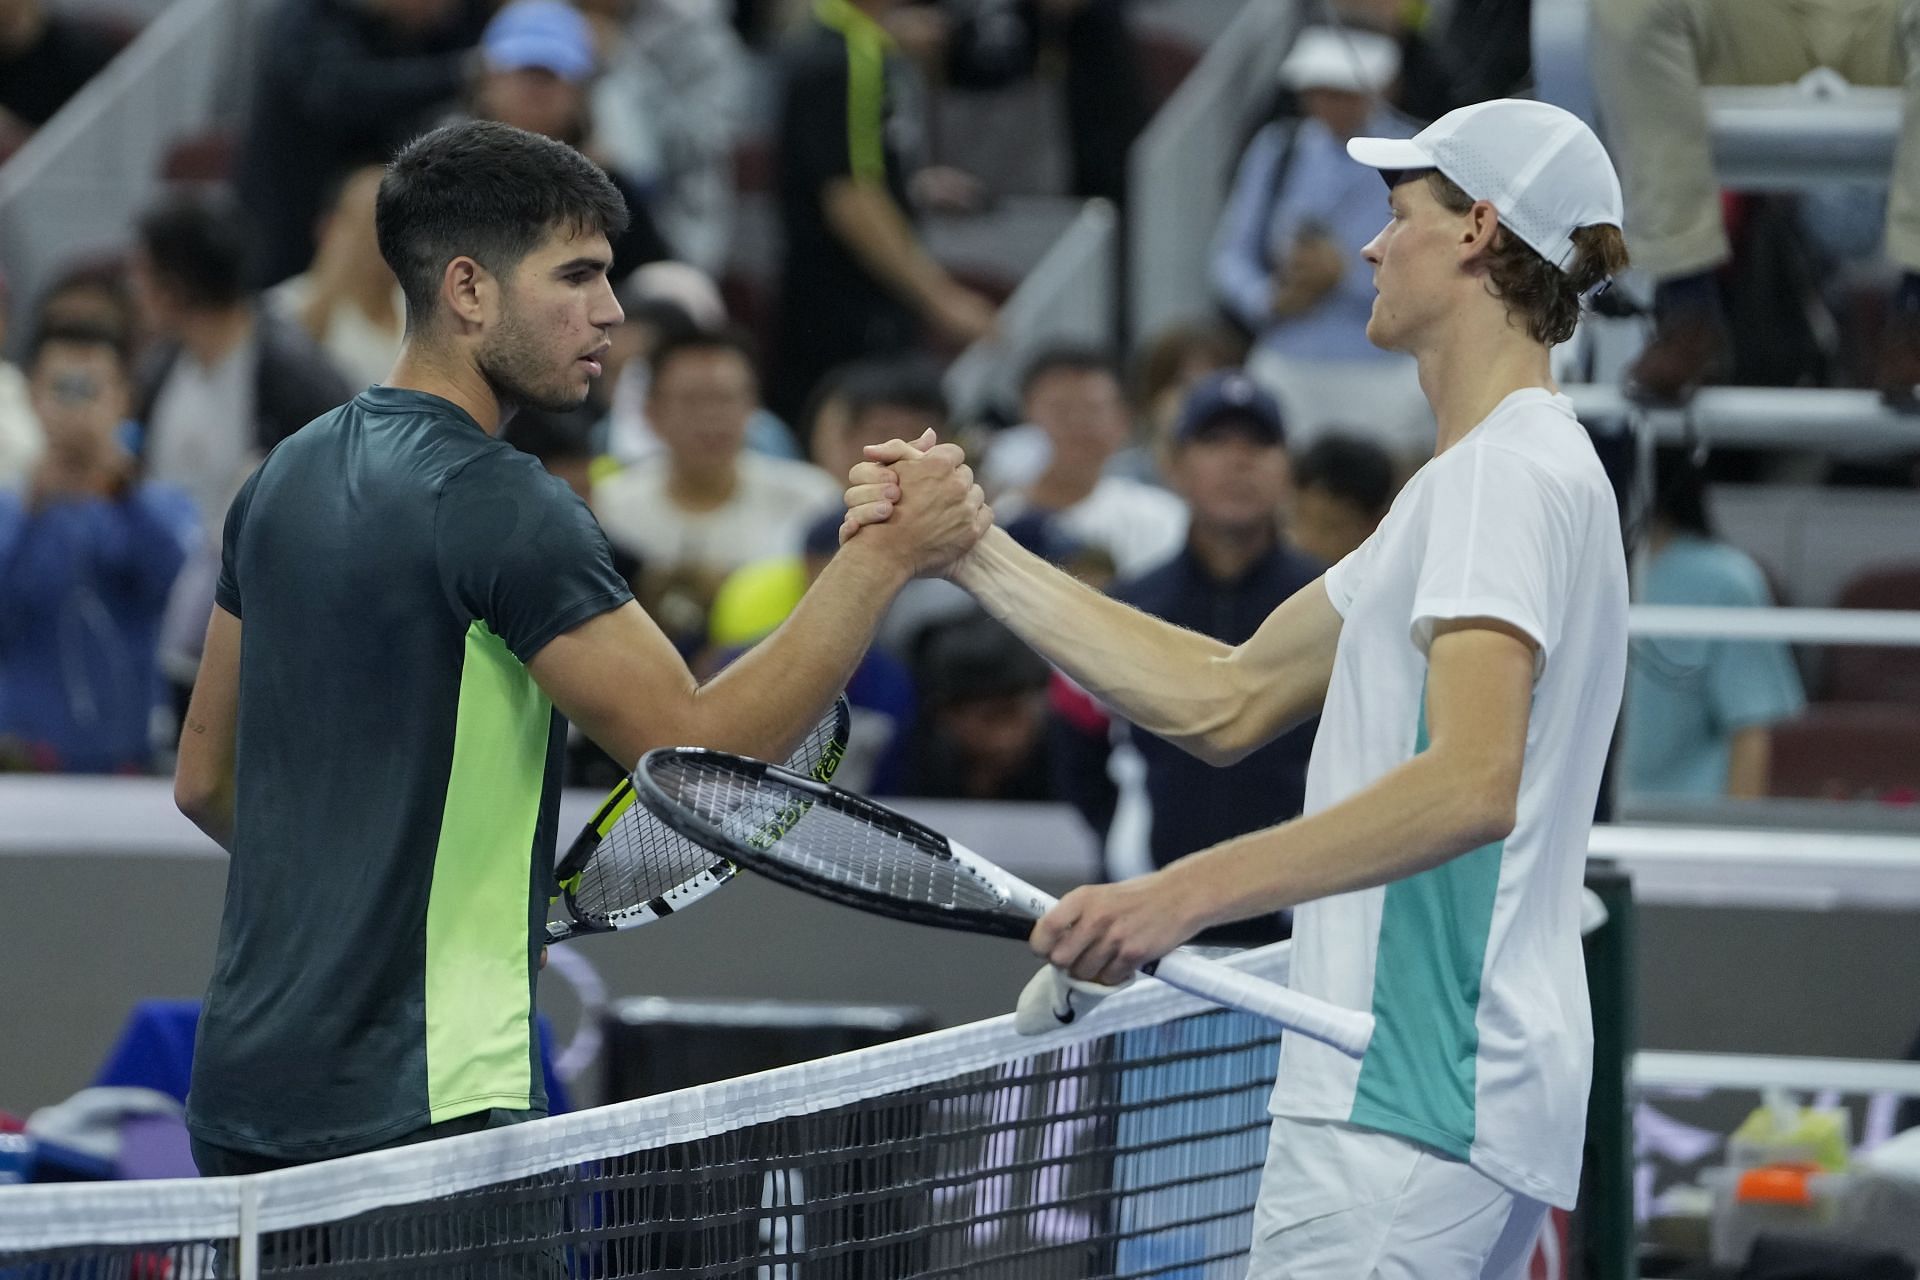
pixel 1650 59
pixel 670 106
pixel 341 83
pixel 1229 461
pixel 1342 487
pixel 230 380
pixel 1484 51
pixel 856 280
pixel 1165 370
pixel 94 295
pixel 706 505
pixel 981 734
pixel 869 401
pixel 756 599
pixel 87 558
pixel 1074 395
pixel 1286 258
pixel 348 301
pixel 45 56
pixel 20 440
pixel 992 43
pixel 1699 711
pixel 660 301
pixel 537 61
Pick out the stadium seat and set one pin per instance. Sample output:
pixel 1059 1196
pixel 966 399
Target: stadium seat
pixel 1875 673
pixel 1850 752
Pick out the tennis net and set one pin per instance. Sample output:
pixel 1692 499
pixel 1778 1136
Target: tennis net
pixel 1129 1146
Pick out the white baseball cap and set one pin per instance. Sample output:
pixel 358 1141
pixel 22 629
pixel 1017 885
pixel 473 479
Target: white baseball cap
pixel 1540 166
pixel 1350 61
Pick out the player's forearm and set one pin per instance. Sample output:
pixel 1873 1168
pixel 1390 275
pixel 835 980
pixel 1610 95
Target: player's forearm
pixel 1749 762
pixel 208 805
pixel 1174 683
pixel 875 230
pixel 1424 813
pixel 764 704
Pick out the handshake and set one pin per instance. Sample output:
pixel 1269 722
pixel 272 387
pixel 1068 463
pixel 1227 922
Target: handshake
pixel 918 501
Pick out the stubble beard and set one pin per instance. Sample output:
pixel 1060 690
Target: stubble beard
pixel 521 375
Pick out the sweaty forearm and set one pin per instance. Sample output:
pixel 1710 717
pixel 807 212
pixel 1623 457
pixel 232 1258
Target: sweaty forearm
pixel 1419 815
pixel 1174 683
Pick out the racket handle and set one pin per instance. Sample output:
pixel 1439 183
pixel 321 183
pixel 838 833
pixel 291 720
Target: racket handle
pixel 1347 1030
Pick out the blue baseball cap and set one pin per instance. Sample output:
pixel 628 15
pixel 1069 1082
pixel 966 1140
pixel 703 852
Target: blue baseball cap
pixel 1230 396
pixel 544 34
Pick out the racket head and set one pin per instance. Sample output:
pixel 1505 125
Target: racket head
pixel 825 841
pixel 626 868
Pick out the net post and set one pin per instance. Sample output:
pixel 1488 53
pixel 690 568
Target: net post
pixel 249 1231
pixel 1607 1224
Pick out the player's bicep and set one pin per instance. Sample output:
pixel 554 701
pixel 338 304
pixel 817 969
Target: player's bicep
pixel 1285 666
pixel 203 772
pixel 620 679
pixel 1479 696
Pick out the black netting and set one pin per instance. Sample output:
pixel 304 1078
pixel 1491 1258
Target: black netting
pixel 1135 1155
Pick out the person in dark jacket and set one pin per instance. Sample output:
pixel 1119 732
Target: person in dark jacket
pixel 229 380
pixel 339 84
pixel 1229 462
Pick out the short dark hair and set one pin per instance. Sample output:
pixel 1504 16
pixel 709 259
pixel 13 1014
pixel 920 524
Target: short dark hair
pixel 76 334
pixel 487 191
pixel 890 384
pixel 1354 470
pixel 674 345
pixel 200 245
pixel 1069 357
pixel 1538 293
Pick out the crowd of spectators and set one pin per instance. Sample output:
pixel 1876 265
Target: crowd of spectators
pixel 1204 476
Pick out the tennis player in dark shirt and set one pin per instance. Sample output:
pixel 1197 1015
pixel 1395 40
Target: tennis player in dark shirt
pixel 407 608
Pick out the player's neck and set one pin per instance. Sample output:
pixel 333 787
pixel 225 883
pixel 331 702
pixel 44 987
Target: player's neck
pixel 1472 364
pixel 424 367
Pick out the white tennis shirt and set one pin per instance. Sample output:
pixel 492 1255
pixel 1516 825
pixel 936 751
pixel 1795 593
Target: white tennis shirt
pixel 1483 1048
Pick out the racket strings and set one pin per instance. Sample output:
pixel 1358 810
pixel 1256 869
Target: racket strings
pixel 639 860
pixel 833 840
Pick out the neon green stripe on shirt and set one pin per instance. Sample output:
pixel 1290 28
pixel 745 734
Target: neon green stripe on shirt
pixel 478 993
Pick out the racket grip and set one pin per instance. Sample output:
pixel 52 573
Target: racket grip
pixel 1347 1030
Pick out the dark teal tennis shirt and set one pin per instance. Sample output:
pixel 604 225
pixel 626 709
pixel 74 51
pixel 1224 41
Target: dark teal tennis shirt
pixel 394 568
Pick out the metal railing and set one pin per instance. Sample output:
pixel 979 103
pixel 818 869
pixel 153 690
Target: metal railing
pixel 73 189
pixel 1182 166
pixel 1068 296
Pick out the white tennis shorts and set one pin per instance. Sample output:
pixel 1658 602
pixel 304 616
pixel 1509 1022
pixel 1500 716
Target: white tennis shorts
pixel 1341 1203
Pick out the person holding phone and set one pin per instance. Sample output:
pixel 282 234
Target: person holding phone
pixel 88 555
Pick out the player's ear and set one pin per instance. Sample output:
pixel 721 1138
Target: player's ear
pixel 469 292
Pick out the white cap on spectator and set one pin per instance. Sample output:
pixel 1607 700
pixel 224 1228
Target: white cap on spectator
pixel 680 283
pixel 1347 60
pixel 1541 167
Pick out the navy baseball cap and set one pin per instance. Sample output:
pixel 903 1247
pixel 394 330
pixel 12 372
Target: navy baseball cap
pixel 1230 396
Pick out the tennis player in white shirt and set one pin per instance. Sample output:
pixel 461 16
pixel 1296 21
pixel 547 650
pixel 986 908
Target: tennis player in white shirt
pixel 1467 663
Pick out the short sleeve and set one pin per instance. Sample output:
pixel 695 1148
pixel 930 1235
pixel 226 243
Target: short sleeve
pixel 1344 580
pixel 226 589
pixel 520 552
pixel 1498 545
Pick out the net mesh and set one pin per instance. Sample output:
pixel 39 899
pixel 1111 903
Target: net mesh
pixel 637 860
pixel 835 841
pixel 1130 1151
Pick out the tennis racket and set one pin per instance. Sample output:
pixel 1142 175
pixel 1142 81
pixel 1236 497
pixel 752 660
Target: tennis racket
pixel 625 869
pixel 843 847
